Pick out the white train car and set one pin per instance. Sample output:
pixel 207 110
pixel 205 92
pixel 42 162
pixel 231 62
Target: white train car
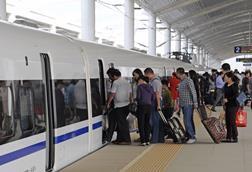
pixel 52 90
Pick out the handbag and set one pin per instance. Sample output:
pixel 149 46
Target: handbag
pixel 241 118
pixel 133 108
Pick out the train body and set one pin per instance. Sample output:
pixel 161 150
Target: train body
pixel 52 90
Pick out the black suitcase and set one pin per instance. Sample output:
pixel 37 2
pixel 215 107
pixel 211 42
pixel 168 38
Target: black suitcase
pixel 176 128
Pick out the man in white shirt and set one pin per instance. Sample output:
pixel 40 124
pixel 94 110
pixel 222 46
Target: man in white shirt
pixel 121 94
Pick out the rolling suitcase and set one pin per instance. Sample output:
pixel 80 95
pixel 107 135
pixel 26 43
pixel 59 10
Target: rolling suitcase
pixel 213 125
pixel 176 128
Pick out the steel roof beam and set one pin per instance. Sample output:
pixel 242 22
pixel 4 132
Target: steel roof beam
pixel 205 11
pixel 204 27
pixel 219 30
pixel 173 6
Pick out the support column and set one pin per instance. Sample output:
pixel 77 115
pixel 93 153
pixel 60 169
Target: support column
pixel 206 61
pixel 178 42
pixel 167 38
pixel 201 56
pixel 152 35
pixel 3 15
pixel 53 29
pixel 198 55
pixel 88 20
pixel 129 24
pixel 184 43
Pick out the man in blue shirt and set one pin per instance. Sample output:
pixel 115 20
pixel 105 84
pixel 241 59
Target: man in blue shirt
pixel 219 90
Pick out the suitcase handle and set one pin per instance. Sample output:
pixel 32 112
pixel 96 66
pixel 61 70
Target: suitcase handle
pixel 162 116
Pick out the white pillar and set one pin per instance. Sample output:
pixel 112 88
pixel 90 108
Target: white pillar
pixel 3 15
pixel 152 35
pixel 129 24
pixel 178 42
pixel 201 56
pixel 206 59
pixel 184 44
pixel 198 55
pixel 88 20
pixel 53 29
pixel 167 38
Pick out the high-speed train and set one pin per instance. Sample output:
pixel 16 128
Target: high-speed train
pixel 52 90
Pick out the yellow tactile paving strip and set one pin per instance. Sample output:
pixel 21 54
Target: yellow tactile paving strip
pixel 157 157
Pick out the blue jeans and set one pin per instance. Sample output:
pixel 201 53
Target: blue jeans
pixel 188 121
pixel 157 130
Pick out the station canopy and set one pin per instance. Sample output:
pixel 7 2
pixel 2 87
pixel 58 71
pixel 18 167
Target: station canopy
pixel 216 25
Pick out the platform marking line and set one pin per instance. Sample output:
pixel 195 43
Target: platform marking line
pixel 156 158
pixel 136 159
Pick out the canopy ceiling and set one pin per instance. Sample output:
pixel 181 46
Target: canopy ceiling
pixel 216 25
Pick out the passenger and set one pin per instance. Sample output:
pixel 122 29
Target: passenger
pixel 80 98
pixel 174 83
pixel 69 99
pixel 211 89
pixel 145 98
pixel 237 74
pixel 219 90
pixel 167 102
pixel 193 75
pixel 245 82
pixel 120 93
pixel 69 94
pixel 137 73
pixel 187 101
pixel 60 103
pixel 157 131
pixel 231 106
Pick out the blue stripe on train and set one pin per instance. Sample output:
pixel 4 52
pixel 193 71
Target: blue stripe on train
pixel 97 125
pixel 70 135
pixel 12 156
pixel 21 152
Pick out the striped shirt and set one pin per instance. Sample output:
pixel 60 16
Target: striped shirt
pixel 187 93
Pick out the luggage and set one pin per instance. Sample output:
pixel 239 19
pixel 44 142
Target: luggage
pixel 176 128
pixel 241 118
pixel 213 125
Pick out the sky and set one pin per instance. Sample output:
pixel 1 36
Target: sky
pixel 109 19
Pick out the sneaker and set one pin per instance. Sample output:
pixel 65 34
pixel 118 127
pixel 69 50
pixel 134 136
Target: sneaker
pixel 191 141
pixel 235 140
pixel 147 143
pixel 143 144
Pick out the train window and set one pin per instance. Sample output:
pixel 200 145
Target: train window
pixel 6 112
pixel 96 98
pixel 28 116
pixel 71 101
pixel 30 107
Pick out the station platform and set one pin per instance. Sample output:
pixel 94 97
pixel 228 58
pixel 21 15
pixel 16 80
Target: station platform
pixel 203 156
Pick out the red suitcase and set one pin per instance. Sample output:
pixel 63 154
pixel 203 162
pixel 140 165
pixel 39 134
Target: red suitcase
pixel 213 125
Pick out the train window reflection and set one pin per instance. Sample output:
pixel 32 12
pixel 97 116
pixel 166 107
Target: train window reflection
pixel 21 109
pixel 6 112
pixel 71 101
pixel 96 98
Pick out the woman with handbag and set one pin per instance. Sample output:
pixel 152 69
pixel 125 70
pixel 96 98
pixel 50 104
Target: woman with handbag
pixel 231 91
pixel 145 97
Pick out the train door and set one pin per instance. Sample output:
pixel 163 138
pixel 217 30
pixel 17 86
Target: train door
pixel 98 102
pixel 48 91
pixel 22 117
